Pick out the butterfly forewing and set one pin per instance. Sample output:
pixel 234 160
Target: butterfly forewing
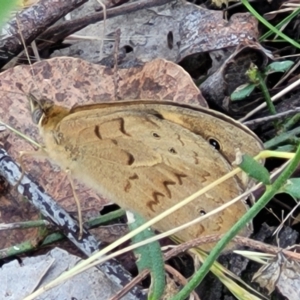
pixel 145 163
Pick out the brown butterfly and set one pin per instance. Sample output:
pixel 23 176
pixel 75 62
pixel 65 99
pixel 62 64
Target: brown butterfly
pixel 148 155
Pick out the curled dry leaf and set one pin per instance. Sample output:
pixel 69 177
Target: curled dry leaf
pixel 225 80
pixel 74 81
pixel 282 273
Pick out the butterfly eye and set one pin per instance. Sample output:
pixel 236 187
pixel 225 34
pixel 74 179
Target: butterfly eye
pixel 155 135
pixel 214 143
pixel 172 150
pixel 37 115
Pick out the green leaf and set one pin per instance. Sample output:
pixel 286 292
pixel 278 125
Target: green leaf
pixel 278 66
pixel 6 7
pixel 292 187
pixel 149 257
pixel 242 91
pixel 254 169
pixel 287 148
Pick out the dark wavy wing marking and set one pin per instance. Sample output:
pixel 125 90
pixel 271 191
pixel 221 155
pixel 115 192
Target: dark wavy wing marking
pixel 156 195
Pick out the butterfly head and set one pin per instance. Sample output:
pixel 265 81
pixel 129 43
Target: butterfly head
pixel 44 112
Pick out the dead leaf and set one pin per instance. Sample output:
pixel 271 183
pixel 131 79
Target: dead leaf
pixel 225 80
pixel 145 34
pixel 70 81
pixel 282 273
pixel 36 271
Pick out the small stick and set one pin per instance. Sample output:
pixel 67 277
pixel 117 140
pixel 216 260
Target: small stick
pixel 116 73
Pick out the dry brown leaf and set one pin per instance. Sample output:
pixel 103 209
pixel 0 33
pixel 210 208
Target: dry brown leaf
pixel 71 81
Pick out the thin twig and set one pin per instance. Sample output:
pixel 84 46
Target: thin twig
pixel 274 117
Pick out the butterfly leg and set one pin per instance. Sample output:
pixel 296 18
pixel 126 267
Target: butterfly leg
pixel 77 204
pixel 40 153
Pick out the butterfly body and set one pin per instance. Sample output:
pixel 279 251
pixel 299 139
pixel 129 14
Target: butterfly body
pixel 147 155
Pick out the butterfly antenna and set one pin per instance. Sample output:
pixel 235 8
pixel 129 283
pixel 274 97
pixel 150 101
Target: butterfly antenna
pixel 34 47
pixel 31 98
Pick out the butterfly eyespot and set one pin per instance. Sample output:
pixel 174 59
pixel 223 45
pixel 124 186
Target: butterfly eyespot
pixel 155 135
pixel 214 143
pixel 202 212
pixel 172 150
